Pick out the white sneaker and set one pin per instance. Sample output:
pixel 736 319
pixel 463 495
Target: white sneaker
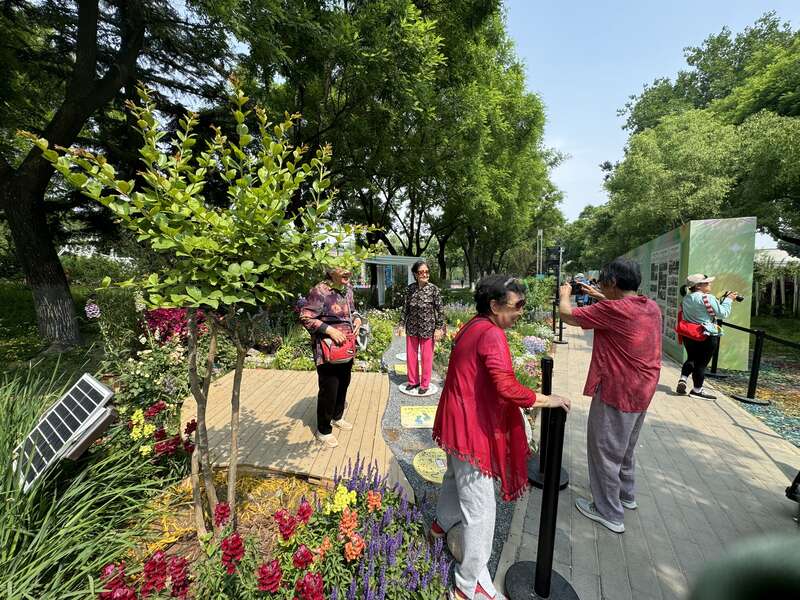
pixel 629 504
pixel 328 439
pixel 587 509
pixel 342 424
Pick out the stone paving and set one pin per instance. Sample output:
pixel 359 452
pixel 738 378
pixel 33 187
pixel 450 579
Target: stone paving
pixel 708 474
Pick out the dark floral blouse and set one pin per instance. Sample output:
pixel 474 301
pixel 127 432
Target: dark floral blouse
pixel 326 307
pixel 423 312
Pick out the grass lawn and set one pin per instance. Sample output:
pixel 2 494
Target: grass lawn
pixel 21 346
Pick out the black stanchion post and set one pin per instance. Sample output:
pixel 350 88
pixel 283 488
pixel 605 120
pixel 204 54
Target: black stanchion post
pixel 715 358
pixel 754 368
pixel 555 308
pixel 560 339
pixel 538 461
pixel 531 580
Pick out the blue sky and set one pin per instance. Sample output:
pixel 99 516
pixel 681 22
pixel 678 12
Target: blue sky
pixel 584 58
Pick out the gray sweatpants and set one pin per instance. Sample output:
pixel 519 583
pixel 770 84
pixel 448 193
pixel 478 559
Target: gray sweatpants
pixel 467 496
pixel 610 442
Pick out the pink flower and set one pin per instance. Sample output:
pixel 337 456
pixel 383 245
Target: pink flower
pixel 302 557
pixel 269 576
pixel 310 587
pixel 155 574
pixel 232 552
pixel 222 514
pixel 188 446
pixel 304 511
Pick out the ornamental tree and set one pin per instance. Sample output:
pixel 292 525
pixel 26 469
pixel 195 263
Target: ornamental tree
pixel 234 262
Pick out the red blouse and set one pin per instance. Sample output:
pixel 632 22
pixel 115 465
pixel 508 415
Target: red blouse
pixel 478 419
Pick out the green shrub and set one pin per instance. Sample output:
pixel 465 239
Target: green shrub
pixel 119 323
pixel 290 353
pixel 458 296
pixel 539 296
pixel 90 270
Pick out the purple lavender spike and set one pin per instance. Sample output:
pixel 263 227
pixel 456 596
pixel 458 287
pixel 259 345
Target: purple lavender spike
pixel 426 579
pixel 351 592
pixel 382 583
pixel 334 594
pixel 438 545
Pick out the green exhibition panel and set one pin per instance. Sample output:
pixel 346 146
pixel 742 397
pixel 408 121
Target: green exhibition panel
pixel 723 248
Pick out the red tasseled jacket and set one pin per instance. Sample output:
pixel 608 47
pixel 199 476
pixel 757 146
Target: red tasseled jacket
pixel 478 419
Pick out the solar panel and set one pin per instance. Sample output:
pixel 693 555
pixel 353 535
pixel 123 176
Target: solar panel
pixel 66 429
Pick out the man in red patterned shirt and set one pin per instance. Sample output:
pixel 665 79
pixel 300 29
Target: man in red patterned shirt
pixel 623 375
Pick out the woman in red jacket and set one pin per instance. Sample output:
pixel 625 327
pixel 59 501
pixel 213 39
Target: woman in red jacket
pixel 479 425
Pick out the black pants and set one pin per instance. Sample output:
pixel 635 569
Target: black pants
pixel 699 354
pixel 333 382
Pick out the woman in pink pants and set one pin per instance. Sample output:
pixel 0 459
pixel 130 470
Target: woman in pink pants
pixel 423 319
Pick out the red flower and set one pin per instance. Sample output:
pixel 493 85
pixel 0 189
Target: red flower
pixel 115 586
pixel 310 587
pixel 179 574
pixel 302 557
pixel 269 576
pixel 159 434
pixel 154 409
pixel 155 574
pixel 222 513
pixel 304 511
pixel 168 446
pixel 188 446
pixel 286 523
pixel 232 552
pixel 191 427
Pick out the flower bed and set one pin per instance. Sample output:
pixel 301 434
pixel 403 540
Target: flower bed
pixel 363 541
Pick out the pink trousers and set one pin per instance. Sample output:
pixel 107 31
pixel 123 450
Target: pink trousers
pixel 414 347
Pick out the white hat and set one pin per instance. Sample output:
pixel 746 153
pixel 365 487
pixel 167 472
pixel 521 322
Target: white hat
pixel 580 276
pixel 697 279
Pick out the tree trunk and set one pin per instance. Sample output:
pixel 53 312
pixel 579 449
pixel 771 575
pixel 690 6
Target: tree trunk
pixel 441 256
pixel 783 291
pixel 21 198
pixel 795 294
pixel 197 499
pixel 201 399
pixel 757 297
pixel 773 290
pixel 233 458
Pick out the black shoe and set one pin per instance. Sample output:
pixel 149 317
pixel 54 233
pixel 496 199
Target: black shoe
pixel 702 394
pixel 410 387
pixel 681 389
pixel 423 391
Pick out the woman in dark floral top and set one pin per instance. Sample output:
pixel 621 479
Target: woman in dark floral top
pixel 330 311
pixel 423 319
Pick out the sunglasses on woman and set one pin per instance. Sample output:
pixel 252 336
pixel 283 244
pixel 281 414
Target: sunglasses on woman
pixel 518 305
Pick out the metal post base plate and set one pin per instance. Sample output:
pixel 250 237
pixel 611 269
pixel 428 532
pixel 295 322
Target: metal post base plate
pixel 747 400
pixel 560 341
pixel 520 580
pixel 537 479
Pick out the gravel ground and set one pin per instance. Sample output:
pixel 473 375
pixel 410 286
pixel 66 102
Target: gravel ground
pixel 405 443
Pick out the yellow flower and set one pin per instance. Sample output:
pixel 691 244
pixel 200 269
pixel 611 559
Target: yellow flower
pixel 148 429
pixel 145 450
pixel 341 499
pixel 138 417
pixel 136 433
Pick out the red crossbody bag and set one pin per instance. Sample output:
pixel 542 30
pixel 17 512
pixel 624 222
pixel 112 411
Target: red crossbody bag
pixel 335 354
pixel 693 331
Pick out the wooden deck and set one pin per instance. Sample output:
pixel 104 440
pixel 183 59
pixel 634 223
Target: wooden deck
pixel 278 420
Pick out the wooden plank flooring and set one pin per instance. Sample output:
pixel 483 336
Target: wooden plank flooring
pixel 278 419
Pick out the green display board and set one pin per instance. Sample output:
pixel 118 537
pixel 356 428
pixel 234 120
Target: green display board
pixel 723 248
